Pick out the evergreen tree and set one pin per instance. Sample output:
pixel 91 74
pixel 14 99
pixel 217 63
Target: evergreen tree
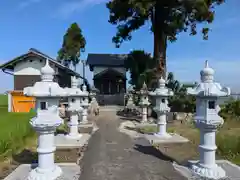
pixel 73 45
pixel 167 17
pixel 137 62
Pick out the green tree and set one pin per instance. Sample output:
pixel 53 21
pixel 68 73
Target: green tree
pixel 73 45
pixel 137 62
pixel 167 17
pixel 172 84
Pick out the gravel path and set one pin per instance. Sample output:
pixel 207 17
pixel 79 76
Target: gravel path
pixel 112 155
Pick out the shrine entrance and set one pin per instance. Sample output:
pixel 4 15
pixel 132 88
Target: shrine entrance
pixel 112 85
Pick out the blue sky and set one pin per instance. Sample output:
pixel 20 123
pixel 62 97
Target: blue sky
pixel 41 24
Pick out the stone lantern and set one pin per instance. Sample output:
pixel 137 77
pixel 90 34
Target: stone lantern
pixel 48 94
pixel 207 94
pixel 85 105
pixel 74 101
pixel 93 94
pixel 144 103
pixel 161 94
pixel 94 104
pixel 130 102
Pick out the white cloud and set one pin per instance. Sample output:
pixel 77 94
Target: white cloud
pixel 27 3
pixel 71 7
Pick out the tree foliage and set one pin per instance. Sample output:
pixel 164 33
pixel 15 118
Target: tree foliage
pixel 137 62
pixel 231 110
pixel 180 102
pixel 73 45
pixel 167 17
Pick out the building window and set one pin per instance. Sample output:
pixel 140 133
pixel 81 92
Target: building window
pixel 30 60
pixel 163 101
pixel 211 104
pixel 73 100
pixel 43 105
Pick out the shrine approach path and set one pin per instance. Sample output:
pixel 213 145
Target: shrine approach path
pixel 112 155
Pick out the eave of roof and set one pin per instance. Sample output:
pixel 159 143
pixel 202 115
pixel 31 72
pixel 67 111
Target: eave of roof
pixel 109 70
pixel 33 51
pixel 110 60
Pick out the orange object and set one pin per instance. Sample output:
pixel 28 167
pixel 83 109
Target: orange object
pixel 21 103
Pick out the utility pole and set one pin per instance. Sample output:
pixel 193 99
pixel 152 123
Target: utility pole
pixel 83 66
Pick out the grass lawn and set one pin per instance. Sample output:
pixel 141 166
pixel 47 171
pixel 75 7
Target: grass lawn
pixel 3 100
pixel 18 141
pixel 16 133
pixel 227 140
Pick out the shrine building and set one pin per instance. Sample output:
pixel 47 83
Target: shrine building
pixel 109 77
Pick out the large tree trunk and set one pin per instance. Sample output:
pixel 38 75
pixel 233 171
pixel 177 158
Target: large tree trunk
pixel 160 44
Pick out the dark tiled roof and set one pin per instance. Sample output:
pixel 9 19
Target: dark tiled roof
pixel 9 64
pixel 109 70
pixel 106 59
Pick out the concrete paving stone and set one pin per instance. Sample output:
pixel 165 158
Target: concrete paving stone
pixel 62 142
pixel 71 171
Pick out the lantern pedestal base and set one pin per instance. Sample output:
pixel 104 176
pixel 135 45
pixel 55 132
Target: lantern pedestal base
pixel 162 135
pixel 215 172
pixel 70 171
pixel 49 175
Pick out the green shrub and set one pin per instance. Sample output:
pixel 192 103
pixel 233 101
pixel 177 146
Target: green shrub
pixel 231 110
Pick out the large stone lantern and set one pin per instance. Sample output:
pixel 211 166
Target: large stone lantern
pixel 85 105
pixel 48 94
pixel 144 103
pixel 161 94
pixel 207 94
pixel 74 100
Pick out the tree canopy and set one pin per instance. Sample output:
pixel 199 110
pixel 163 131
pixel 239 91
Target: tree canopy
pixel 167 17
pixel 137 62
pixel 73 45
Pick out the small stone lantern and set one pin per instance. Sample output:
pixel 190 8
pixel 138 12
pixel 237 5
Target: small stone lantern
pixel 94 104
pixel 85 105
pixel 144 103
pixel 161 94
pixel 207 120
pixel 130 102
pixel 74 101
pixel 48 94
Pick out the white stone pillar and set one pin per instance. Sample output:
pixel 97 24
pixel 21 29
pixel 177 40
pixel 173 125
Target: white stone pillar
pixel 9 101
pixel 46 150
pixel 162 125
pixel 84 115
pixel 85 106
pixel 207 148
pixel 73 127
pixel 144 114
pixel 46 168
